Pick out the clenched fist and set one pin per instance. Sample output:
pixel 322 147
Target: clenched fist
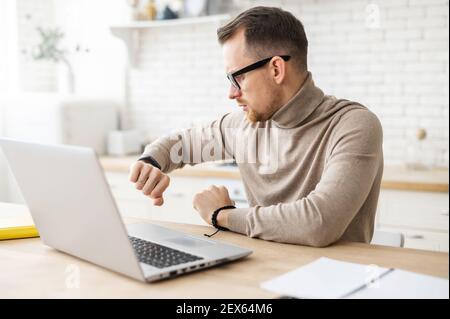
pixel 208 200
pixel 150 180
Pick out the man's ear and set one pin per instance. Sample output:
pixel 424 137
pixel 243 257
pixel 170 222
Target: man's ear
pixel 278 69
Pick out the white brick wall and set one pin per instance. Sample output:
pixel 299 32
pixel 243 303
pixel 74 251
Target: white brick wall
pixel 179 80
pixel 391 56
pixel 396 65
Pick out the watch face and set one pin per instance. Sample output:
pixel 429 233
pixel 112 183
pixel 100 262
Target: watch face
pixel 195 8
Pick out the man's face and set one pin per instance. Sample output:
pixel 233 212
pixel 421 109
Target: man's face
pixel 258 94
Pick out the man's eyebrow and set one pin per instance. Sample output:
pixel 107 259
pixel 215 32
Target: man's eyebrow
pixel 232 70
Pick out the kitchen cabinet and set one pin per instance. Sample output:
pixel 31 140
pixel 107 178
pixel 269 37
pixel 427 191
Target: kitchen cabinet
pixel 130 202
pixel 178 201
pixel 422 217
pixel 177 198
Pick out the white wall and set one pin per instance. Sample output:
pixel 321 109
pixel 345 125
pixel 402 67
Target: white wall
pixel 34 76
pixel 8 77
pixel 100 61
pixel 179 79
pixel 397 65
pixel 98 72
pixel 3 81
pixel 390 55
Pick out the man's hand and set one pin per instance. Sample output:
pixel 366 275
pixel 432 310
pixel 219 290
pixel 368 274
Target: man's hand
pixel 208 200
pixel 150 180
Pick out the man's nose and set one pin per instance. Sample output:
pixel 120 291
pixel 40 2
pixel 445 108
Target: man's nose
pixel 233 92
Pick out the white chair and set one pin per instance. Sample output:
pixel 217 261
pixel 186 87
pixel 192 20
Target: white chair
pixel 388 239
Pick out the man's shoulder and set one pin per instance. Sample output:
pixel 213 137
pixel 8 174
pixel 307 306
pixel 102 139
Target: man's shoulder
pixel 355 119
pixel 358 130
pixel 355 114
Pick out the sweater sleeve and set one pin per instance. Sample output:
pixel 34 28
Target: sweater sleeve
pixel 192 146
pixel 321 218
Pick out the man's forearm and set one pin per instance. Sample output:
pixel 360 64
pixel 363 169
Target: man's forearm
pixel 318 220
pixel 191 146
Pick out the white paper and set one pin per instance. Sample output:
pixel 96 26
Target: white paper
pixel 401 284
pixel 324 278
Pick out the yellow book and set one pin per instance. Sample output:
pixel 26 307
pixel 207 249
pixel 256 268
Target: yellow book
pixel 18 232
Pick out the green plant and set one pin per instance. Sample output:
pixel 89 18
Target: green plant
pixel 48 48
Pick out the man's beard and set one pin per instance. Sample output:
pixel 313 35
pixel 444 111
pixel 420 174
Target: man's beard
pixel 273 105
pixel 253 116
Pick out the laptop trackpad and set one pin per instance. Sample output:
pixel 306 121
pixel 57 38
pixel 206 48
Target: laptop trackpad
pixel 189 242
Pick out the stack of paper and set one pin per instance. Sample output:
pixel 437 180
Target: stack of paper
pixel 328 278
pixel 402 284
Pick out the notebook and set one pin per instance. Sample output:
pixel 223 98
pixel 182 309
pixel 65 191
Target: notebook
pixel 328 278
pixel 15 224
pixel 18 232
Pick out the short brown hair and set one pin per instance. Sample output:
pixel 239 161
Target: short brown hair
pixel 270 31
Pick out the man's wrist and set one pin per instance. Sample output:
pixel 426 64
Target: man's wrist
pixel 222 218
pixel 150 160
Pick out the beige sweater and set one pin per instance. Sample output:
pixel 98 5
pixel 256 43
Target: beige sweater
pixel 312 172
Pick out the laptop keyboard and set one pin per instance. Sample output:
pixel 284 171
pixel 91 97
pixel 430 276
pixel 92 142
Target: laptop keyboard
pixel 160 256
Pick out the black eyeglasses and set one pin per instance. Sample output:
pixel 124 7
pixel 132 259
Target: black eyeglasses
pixel 232 76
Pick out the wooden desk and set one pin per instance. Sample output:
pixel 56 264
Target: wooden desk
pixel 29 269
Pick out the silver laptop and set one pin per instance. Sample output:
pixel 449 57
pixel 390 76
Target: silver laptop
pixel 75 212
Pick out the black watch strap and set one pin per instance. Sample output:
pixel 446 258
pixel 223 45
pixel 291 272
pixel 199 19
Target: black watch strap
pixel 214 219
pixel 150 160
